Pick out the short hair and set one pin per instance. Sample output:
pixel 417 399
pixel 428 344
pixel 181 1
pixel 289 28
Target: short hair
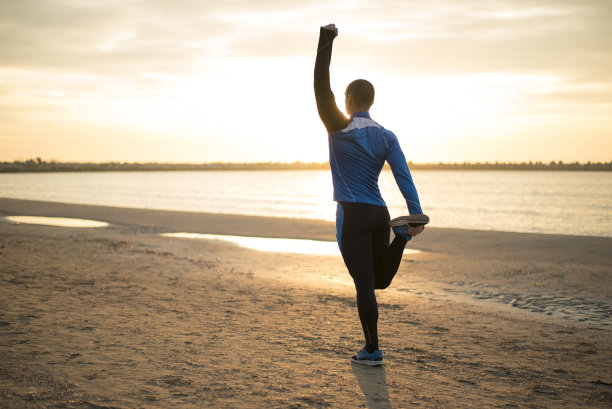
pixel 362 92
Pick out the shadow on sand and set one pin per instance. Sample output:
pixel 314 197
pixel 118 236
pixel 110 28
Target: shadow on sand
pixel 373 384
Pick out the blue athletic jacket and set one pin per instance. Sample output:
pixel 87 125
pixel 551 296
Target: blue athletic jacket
pixel 358 147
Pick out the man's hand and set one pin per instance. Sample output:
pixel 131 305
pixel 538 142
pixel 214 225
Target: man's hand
pixel 413 231
pixel 331 27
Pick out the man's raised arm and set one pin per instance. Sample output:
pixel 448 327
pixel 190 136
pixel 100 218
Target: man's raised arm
pixel 332 117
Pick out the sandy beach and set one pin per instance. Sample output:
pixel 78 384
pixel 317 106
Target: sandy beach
pixel 123 317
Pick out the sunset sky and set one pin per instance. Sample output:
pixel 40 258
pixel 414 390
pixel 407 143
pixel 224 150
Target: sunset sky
pixel 231 81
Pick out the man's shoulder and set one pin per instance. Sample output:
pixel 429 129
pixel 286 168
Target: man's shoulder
pixel 388 134
pixel 383 130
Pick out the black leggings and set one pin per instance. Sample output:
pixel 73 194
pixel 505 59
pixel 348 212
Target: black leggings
pixel 363 236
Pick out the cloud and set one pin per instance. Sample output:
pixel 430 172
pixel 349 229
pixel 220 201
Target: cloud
pixel 58 58
pixel 406 36
pixel 572 39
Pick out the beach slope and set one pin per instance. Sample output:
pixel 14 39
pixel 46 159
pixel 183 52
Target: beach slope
pixel 124 317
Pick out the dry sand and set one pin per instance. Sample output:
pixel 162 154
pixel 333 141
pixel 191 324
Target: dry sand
pixel 123 317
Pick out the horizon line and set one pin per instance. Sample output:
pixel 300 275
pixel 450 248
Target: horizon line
pixel 39 161
pixel 39 166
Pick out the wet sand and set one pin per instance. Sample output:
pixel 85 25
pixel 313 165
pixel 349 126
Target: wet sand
pixel 123 317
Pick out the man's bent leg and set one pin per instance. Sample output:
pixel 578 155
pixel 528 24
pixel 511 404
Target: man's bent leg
pixel 387 258
pixel 389 263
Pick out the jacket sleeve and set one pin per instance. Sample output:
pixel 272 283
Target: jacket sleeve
pixel 332 117
pixel 401 173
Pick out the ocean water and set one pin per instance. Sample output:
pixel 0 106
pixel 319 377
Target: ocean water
pixel 564 202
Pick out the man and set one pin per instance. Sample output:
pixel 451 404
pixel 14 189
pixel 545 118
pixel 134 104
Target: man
pixel 358 149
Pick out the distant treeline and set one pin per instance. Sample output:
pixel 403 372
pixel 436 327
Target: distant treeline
pixel 39 165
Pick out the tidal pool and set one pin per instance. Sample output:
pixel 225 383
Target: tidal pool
pixel 56 221
pixel 276 245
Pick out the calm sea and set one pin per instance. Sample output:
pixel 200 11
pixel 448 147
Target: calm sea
pixel 566 202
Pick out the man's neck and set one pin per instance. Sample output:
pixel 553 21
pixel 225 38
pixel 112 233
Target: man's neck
pixel 360 114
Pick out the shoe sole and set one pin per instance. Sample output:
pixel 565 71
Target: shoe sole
pixel 367 362
pixel 413 220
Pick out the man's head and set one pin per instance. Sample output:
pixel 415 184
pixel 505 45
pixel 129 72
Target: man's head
pixel 359 96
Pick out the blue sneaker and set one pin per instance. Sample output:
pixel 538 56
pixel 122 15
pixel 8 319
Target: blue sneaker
pixel 402 231
pixel 413 220
pixel 363 357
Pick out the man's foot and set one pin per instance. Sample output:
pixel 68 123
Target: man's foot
pixel 402 224
pixel 413 220
pixel 364 357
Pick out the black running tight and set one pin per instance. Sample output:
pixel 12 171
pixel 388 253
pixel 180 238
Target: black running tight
pixel 363 236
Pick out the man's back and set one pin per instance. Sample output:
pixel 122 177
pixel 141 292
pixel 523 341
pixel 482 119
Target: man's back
pixel 357 154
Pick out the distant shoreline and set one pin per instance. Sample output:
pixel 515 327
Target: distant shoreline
pixel 38 165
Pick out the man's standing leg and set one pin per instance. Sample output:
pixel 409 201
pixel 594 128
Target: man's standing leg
pixel 358 258
pixel 356 245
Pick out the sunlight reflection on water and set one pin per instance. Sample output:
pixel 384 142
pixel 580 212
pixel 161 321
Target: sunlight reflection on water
pixel 551 202
pixel 56 221
pixel 275 245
